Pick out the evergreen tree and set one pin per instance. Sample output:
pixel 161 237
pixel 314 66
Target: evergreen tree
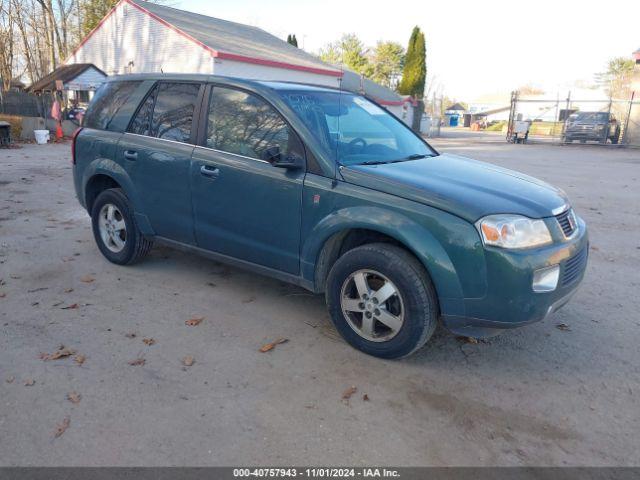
pixel 92 11
pixel 415 74
pixel 351 52
pixel 415 66
pixel 292 40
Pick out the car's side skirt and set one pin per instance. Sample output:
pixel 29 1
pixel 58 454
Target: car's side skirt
pixel 236 262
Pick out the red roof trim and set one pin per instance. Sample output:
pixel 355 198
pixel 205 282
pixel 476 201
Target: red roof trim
pixel 95 29
pixel 274 63
pixel 390 102
pixel 175 29
pixel 213 52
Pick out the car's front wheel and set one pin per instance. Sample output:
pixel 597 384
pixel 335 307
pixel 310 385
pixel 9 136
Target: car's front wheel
pixel 382 301
pixel 115 229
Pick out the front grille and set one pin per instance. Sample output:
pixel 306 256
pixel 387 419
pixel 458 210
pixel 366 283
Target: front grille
pixel 567 222
pixel 574 266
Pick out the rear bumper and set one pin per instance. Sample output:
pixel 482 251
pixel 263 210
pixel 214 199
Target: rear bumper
pixel 510 301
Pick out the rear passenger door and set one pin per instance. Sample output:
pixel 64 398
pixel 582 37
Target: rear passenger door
pixel 244 207
pixel 156 152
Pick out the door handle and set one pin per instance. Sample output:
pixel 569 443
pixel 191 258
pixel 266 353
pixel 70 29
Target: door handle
pixel 211 172
pixel 131 155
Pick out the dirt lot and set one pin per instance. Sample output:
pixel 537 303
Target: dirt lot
pixel 536 396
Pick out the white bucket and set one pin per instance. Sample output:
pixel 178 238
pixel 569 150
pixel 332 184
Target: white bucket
pixel 42 136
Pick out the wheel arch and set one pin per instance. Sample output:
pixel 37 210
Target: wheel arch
pixel 351 227
pixel 105 173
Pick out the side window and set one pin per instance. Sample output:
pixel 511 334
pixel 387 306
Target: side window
pixel 109 98
pixel 141 122
pixel 244 124
pixel 167 112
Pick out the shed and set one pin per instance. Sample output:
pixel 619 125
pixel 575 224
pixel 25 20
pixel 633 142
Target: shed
pixel 78 81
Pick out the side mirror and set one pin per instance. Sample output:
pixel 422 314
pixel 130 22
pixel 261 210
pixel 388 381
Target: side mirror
pixel 275 158
pixel 291 162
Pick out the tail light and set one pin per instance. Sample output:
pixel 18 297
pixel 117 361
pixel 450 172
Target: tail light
pixel 73 145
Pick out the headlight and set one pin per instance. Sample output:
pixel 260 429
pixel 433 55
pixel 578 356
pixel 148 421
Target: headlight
pixel 513 231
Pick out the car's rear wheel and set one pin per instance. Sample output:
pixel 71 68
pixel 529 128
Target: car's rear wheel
pixel 115 230
pixel 382 301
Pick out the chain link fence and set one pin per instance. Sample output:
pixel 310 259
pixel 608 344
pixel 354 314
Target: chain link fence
pixel 602 121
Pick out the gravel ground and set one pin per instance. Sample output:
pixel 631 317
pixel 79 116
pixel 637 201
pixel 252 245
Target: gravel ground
pixel 540 395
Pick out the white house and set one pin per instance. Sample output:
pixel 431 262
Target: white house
pixel 138 36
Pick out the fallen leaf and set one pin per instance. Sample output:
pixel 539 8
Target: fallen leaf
pixel 194 321
pixel 137 361
pixel 2 295
pixel 148 341
pixel 62 427
pixel 29 382
pixel 70 307
pixel 594 248
pixel 564 327
pixel 346 395
pixel 74 397
pixel 15 277
pixel 468 340
pixel 131 335
pixel 272 345
pixel 79 359
pixel 60 353
pixel 87 279
pixel 10 379
pixel 68 290
pixel 365 398
pixel 188 361
pixel 38 290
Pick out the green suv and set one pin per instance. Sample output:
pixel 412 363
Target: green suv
pixel 327 190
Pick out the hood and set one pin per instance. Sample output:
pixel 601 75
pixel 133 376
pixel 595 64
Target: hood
pixel 464 187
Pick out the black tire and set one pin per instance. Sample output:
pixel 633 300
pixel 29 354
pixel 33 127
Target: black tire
pixel 136 246
pixel 415 288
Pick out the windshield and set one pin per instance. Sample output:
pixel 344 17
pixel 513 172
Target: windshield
pixel 589 117
pixel 353 130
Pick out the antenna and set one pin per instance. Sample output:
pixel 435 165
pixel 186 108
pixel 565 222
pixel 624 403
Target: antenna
pixel 335 165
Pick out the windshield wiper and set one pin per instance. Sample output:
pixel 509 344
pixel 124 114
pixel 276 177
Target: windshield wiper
pixel 415 156
pixel 373 162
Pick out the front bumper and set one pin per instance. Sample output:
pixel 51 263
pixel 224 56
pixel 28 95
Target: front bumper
pixel 510 301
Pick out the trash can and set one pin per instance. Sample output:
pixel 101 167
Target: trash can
pixel 5 133
pixel 42 136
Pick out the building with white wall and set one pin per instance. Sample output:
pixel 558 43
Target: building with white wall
pixel 138 36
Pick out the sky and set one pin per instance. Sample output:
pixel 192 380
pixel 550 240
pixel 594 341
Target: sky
pixel 474 48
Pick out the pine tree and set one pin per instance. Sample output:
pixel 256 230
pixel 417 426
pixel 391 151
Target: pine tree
pixel 415 74
pixel 415 66
pixel 292 40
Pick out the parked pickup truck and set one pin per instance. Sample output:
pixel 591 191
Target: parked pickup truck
pixel 592 126
pixel 327 190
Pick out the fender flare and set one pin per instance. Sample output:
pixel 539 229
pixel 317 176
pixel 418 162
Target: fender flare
pixel 111 169
pixel 415 237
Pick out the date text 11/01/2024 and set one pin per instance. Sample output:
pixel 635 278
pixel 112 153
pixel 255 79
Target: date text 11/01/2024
pixel 316 472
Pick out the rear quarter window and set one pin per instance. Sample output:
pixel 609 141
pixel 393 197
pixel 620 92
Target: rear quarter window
pixel 109 98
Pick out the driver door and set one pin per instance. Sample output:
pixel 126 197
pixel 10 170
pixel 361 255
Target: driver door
pixel 244 207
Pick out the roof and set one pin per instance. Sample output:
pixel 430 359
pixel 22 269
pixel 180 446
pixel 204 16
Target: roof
pixel 455 106
pixel 65 73
pixel 354 82
pixel 235 41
